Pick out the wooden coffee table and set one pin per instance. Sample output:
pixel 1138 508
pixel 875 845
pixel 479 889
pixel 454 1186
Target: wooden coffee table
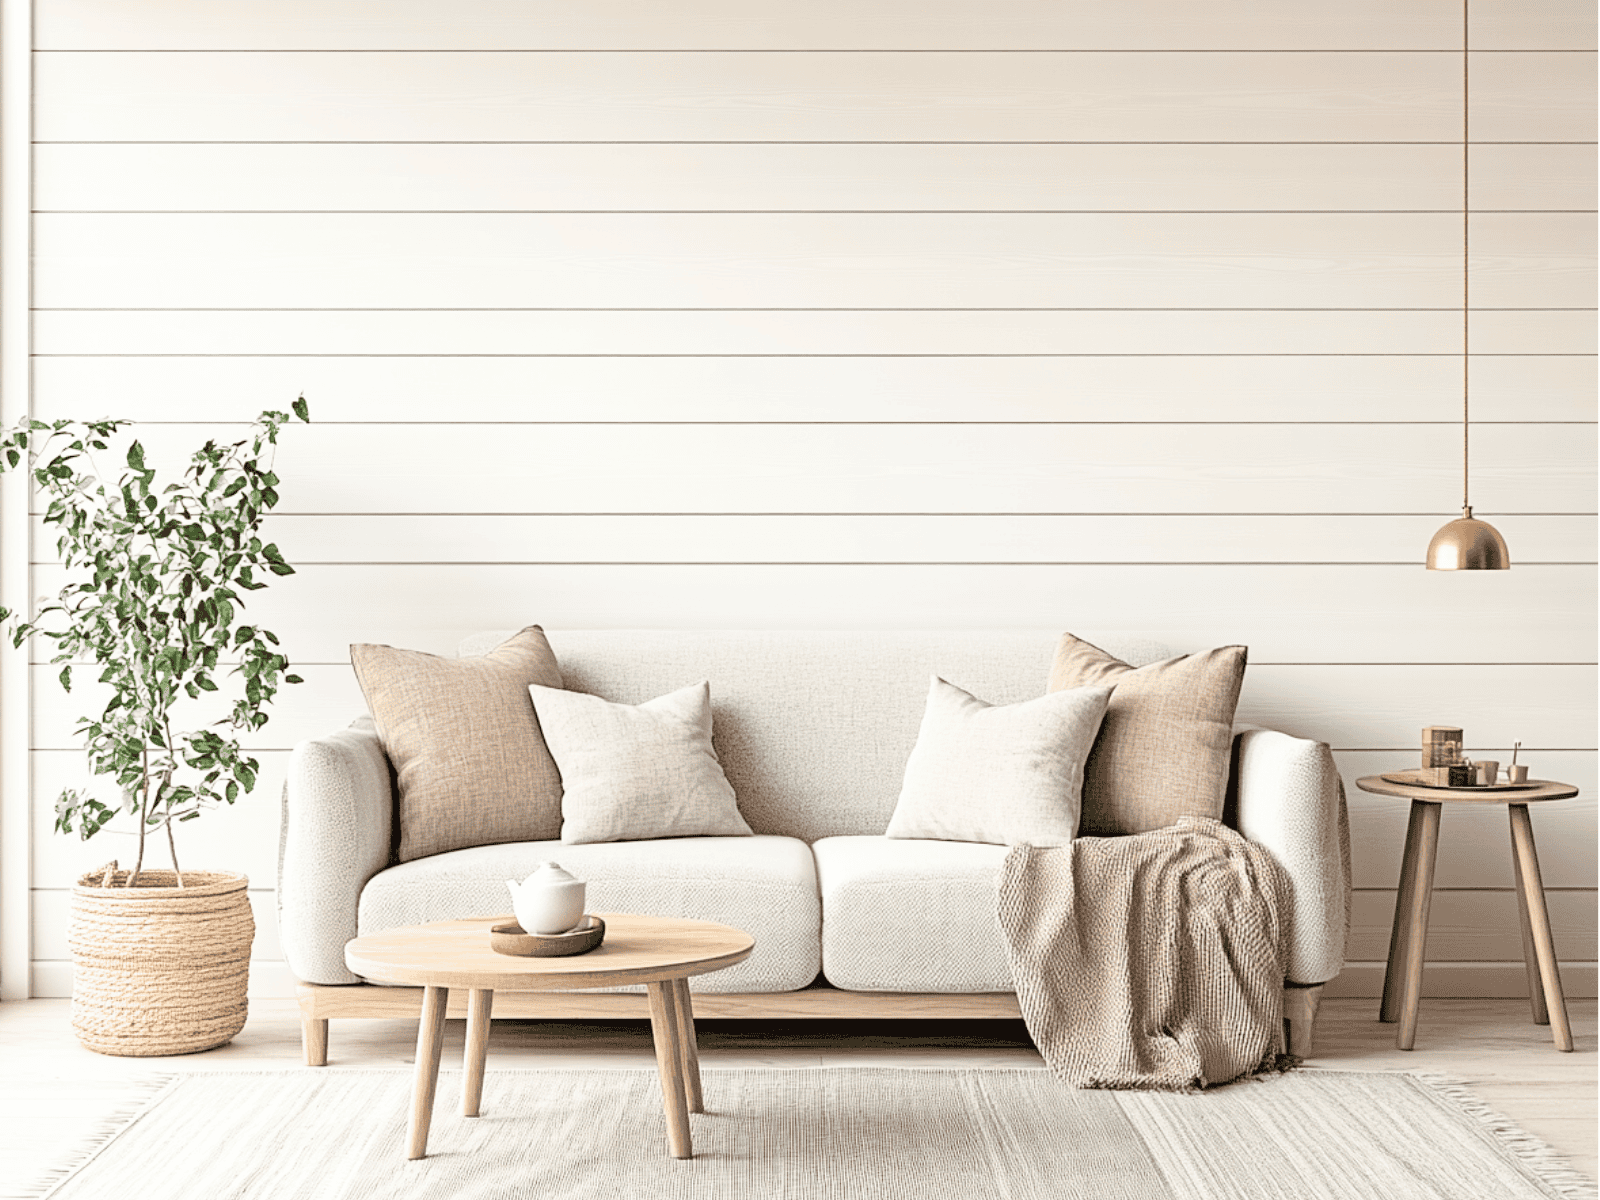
pixel 1402 980
pixel 660 952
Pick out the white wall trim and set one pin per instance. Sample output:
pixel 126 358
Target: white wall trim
pixel 16 189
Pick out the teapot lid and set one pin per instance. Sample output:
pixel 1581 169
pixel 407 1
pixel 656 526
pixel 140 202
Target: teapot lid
pixel 551 872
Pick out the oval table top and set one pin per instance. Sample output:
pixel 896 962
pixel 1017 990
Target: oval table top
pixel 1546 789
pixel 636 949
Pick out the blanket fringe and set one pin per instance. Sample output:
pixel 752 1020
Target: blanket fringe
pixel 1546 1164
pixel 143 1094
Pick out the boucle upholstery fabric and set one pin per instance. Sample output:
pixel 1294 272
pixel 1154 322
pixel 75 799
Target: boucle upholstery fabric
pixel 910 916
pixel 470 764
pixel 329 848
pixel 1163 748
pixel 766 886
pixel 1001 773
pixel 1151 961
pixel 1290 802
pixel 813 727
pixel 631 772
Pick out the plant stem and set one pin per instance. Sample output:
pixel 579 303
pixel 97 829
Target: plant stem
pixel 144 806
pixel 173 846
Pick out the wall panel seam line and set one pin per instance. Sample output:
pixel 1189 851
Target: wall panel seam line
pixel 827 354
pixel 781 142
pixel 995 308
pixel 928 50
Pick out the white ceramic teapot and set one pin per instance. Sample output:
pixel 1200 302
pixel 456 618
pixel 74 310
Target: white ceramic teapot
pixel 548 901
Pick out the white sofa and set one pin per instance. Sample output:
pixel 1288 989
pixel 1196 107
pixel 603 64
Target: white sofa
pixel 813 730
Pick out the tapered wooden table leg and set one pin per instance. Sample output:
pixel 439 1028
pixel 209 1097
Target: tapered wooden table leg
pixel 480 1003
pixel 689 1046
pixel 669 1062
pixel 1416 936
pixel 1532 890
pixel 1530 956
pixel 430 1044
pixel 1393 976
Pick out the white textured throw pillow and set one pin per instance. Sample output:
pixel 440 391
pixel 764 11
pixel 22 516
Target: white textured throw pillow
pixel 630 772
pixel 1004 774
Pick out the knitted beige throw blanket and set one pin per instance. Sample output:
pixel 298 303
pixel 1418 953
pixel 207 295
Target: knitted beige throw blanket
pixel 1148 961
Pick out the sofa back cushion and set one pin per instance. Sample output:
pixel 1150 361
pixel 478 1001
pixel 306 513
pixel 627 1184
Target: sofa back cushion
pixel 814 727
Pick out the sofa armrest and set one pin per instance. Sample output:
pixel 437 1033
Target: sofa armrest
pixel 1290 801
pixel 337 809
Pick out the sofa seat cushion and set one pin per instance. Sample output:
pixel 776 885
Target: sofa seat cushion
pixel 909 915
pixel 766 886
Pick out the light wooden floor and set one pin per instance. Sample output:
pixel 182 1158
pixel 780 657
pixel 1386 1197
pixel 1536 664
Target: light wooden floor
pixel 53 1092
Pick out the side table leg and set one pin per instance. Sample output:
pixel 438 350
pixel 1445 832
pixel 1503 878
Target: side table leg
pixel 669 1062
pixel 480 1003
pixel 1530 956
pixel 1393 976
pixel 1416 937
pixel 689 1045
pixel 430 1044
pixel 1539 921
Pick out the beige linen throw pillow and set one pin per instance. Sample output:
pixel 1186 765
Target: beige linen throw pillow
pixel 631 772
pixel 1164 747
pixel 470 764
pixel 1004 774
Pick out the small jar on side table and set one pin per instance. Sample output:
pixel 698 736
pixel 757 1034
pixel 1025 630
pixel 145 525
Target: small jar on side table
pixel 1402 981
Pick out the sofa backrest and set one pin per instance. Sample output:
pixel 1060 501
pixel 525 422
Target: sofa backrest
pixel 814 727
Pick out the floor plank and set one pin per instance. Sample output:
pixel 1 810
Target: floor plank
pixel 53 1092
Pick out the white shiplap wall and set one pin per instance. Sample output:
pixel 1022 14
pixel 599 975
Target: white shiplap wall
pixel 801 313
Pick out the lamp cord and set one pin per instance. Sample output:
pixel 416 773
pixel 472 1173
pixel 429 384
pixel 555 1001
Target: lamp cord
pixel 1466 209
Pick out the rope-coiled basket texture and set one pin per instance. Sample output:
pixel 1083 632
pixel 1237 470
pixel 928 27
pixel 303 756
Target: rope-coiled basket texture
pixel 157 968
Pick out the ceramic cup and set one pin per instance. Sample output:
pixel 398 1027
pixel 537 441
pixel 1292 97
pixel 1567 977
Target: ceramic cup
pixel 1517 774
pixel 1488 772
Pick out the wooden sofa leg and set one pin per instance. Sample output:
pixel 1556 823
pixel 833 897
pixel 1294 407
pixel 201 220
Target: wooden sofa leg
pixel 314 1037
pixel 1300 1006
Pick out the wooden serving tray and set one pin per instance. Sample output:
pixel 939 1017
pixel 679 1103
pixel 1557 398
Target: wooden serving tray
pixel 511 938
pixel 1414 779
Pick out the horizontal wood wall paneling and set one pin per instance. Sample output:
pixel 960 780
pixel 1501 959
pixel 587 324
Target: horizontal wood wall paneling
pixel 818 24
pixel 238 837
pixel 1526 176
pixel 1334 614
pixel 1536 97
pixel 1162 388
pixel 1514 332
pixel 735 538
pixel 831 260
pixel 871 333
pixel 1475 926
pixel 52 908
pixel 964 96
pixel 1534 25
pixel 1532 259
pixel 912 468
pixel 1475 840
pixel 476 177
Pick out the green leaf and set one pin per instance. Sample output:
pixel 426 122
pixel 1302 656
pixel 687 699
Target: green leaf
pixel 136 456
pixel 301 409
pixel 66 679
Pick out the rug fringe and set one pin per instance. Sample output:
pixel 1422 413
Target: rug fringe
pixel 145 1093
pixel 1546 1163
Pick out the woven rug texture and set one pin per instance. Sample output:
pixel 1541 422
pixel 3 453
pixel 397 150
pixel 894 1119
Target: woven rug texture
pixel 815 1134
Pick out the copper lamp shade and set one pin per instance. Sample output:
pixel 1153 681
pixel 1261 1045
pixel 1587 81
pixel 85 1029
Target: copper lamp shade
pixel 1468 544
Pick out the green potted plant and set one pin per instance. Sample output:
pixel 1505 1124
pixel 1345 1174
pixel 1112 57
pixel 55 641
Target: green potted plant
pixel 154 604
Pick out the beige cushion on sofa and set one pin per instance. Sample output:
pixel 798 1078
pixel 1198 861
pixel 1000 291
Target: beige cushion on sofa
pixel 998 773
pixel 1163 748
pixel 630 772
pixel 464 742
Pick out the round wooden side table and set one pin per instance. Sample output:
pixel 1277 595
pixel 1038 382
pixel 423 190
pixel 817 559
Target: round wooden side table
pixel 1402 981
pixel 661 952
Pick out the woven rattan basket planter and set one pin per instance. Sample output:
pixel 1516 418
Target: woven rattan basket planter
pixel 159 969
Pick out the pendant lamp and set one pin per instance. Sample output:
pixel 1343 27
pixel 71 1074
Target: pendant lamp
pixel 1466 544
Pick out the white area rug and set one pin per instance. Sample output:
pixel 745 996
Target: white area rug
pixel 810 1134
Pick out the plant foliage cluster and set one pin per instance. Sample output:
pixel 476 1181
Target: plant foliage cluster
pixel 154 601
